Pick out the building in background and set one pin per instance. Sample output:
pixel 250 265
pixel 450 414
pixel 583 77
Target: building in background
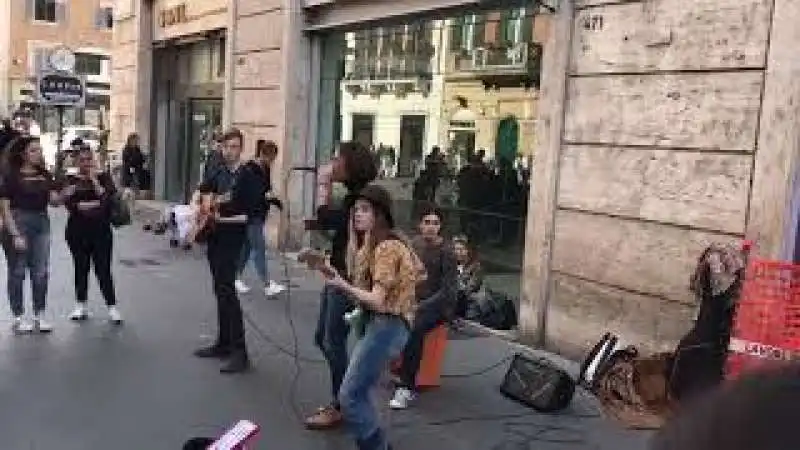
pixel 392 92
pixel 491 82
pixel 30 30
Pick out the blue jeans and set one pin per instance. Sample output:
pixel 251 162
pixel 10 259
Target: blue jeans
pixel 331 335
pixel 256 246
pixel 383 340
pixel 35 259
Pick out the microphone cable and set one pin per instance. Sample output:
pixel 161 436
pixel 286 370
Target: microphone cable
pixel 523 435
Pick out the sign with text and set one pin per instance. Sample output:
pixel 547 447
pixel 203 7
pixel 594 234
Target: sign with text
pixel 61 89
pixel 172 16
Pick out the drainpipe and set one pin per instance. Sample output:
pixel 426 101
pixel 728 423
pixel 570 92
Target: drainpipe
pixel 230 63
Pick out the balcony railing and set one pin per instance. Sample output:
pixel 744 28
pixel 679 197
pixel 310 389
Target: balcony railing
pixel 514 58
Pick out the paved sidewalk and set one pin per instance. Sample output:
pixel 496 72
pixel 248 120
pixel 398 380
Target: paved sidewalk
pixel 467 412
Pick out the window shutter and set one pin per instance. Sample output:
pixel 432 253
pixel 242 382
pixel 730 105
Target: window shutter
pixel 503 27
pixel 62 11
pixel 456 33
pixel 479 38
pixel 527 27
pixel 99 18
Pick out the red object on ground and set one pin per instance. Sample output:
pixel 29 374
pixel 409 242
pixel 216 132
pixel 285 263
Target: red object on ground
pixel 766 327
pixel 430 369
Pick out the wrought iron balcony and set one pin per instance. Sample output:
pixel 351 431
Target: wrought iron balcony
pixel 397 76
pixel 505 64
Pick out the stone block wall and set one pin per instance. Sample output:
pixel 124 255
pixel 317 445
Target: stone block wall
pixel 652 133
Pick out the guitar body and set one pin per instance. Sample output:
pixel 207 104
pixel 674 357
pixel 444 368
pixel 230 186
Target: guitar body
pixel 204 220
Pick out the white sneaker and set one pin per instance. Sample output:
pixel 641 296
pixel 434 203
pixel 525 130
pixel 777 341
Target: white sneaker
pixel 241 288
pixel 402 397
pixel 41 325
pixel 81 312
pixel 21 325
pixel 273 289
pixel 114 315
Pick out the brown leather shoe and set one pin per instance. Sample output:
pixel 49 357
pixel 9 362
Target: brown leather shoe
pixel 324 419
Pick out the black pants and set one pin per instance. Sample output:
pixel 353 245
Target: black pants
pixel 224 250
pixel 92 247
pixel 427 317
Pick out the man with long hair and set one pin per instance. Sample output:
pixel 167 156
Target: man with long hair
pixel 354 167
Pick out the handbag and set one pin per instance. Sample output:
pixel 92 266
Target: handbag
pixel 120 213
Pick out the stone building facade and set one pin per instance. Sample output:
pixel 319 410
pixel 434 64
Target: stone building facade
pixel 663 129
pixel 659 130
pixel 29 29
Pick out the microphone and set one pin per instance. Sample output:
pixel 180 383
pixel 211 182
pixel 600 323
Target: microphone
pixel 305 168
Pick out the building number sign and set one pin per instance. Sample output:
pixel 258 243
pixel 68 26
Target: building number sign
pixel 172 16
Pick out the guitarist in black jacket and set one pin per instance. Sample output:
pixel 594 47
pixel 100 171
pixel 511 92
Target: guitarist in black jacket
pixel 235 194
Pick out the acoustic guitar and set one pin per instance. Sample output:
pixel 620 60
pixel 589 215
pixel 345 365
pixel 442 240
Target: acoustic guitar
pixel 203 220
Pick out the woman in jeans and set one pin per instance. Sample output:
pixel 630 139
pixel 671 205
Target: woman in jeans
pixel 26 191
pixel 384 273
pixel 87 197
pixel 256 246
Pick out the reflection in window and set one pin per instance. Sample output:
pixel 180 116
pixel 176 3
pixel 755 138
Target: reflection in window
pixel 447 106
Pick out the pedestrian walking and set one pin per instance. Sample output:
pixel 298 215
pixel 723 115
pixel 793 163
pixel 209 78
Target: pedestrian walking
pixel 27 189
pixel 255 245
pixel 87 197
pixel 132 169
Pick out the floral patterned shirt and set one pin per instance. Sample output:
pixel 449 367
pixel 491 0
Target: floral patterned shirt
pixel 393 266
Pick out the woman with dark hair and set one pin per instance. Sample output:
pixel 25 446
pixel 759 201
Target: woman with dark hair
pixel 383 274
pixel 354 167
pixel 87 197
pixel 26 191
pixel 255 245
pixel 132 168
pixel 469 274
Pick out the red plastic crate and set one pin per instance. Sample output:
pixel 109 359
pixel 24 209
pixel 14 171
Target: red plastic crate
pixel 766 325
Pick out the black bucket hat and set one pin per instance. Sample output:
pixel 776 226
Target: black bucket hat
pixel 380 200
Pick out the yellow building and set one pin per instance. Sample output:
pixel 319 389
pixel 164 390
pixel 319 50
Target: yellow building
pixel 491 82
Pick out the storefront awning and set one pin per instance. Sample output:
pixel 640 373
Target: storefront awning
pixel 343 14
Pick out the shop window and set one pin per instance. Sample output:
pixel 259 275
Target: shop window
pixel 416 94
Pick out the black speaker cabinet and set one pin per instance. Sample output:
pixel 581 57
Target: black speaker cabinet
pixel 538 384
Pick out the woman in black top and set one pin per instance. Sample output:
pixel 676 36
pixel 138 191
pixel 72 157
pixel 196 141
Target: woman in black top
pixel 132 168
pixel 27 189
pixel 87 197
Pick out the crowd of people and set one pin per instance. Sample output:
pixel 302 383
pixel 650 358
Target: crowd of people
pixel 27 191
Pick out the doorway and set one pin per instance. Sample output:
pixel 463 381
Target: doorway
pixel 412 140
pixel 507 144
pixel 205 115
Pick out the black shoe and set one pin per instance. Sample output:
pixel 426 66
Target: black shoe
pixel 214 351
pixel 238 363
pixel 173 243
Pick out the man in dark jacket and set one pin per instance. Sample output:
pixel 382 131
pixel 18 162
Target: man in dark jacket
pixel 354 167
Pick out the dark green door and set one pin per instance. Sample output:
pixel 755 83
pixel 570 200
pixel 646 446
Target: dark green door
pixel 507 144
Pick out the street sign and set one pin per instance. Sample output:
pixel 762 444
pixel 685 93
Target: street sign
pixel 61 89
